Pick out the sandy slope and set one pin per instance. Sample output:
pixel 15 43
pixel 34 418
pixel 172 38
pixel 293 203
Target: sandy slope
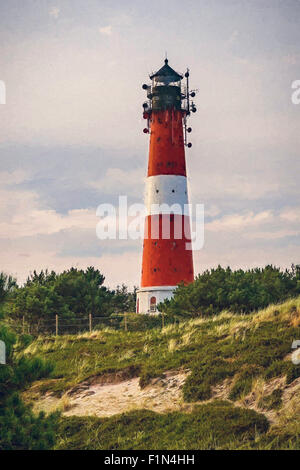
pixel 161 395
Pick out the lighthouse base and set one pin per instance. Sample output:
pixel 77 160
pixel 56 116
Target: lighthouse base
pixel 147 298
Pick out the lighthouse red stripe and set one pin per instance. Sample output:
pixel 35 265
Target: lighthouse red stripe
pixel 166 262
pixel 166 154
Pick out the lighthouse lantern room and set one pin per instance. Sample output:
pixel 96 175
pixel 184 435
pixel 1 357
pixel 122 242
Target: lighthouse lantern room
pixel 167 254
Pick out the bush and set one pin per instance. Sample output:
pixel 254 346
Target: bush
pixel 19 428
pixel 272 401
pixel 243 384
pixel 198 384
pixel 212 426
pixel 238 291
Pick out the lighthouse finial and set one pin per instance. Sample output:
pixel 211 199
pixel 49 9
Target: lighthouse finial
pixel 166 57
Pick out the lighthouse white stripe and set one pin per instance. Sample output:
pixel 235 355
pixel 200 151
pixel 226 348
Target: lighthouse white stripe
pixel 164 191
pixel 161 293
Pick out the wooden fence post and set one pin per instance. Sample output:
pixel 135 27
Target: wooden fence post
pixel 56 325
pixel 90 322
pixel 125 321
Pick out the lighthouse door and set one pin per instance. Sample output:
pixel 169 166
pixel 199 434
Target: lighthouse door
pixel 153 304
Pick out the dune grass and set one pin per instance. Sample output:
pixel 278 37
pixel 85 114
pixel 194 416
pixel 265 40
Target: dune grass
pixel 250 350
pixel 142 429
pixel 243 346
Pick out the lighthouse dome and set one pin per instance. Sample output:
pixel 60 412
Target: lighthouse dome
pixel 166 75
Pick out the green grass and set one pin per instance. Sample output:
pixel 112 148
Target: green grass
pixel 272 401
pixel 212 426
pixel 242 348
pixel 213 349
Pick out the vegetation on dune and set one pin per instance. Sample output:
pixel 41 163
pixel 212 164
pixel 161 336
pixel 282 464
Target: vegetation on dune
pixel 19 427
pixel 76 293
pixel 239 347
pixel 73 294
pixel 221 289
pixel 243 348
pixel 202 429
pixel 272 401
pixel 7 285
pixel 245 351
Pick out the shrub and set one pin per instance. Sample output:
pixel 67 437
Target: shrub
pixel 272 401
pixel 239 291
pixel 243 384
pixel 19 428
pixel 212 426
pixel 198 384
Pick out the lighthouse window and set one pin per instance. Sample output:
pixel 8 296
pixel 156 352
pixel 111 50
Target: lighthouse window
pixel 173 190
pixel 157 190
pixel 153 304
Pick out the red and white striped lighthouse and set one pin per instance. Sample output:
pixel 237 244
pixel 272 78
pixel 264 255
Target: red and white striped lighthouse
pixel 167 253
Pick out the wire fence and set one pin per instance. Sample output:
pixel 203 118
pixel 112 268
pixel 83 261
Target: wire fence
pixel 62 325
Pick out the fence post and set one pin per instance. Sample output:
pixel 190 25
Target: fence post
pixel 163 319
pixel 90 322
pixel 23 325
pixel 125 321
pixel 56 325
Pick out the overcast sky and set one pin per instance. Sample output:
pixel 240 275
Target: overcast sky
pixel 71 129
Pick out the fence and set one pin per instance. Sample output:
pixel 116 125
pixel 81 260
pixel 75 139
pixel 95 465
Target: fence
pixel 60 325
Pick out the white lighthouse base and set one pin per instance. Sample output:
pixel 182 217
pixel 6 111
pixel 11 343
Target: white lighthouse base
pixel 147 298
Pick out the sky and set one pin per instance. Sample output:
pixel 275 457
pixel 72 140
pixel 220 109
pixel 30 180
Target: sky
pixel 71 129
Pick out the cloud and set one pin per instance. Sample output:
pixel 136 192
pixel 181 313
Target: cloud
pixel 34 236
pixel 265 225
pixel 291 214
pixel 17 176
pixel 233 37
pixel 22 213
pixel 79 136
pixel 238 222
pixel 37 237
pixel 246 256
pixel 106 30
pixel 38 257
pixel 291 59
pixel 116 180
pixel 273 235
pixel 23 216
pixel 54 12
pixel 230 185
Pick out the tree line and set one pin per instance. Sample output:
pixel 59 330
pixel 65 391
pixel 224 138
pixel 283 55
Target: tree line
pixel 20 428
pixel 76 293
pixel 71 294
pixel 240 291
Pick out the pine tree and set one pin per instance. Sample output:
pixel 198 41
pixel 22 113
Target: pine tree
pixel 19 427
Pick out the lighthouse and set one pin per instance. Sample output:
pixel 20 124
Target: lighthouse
pixel 167 253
